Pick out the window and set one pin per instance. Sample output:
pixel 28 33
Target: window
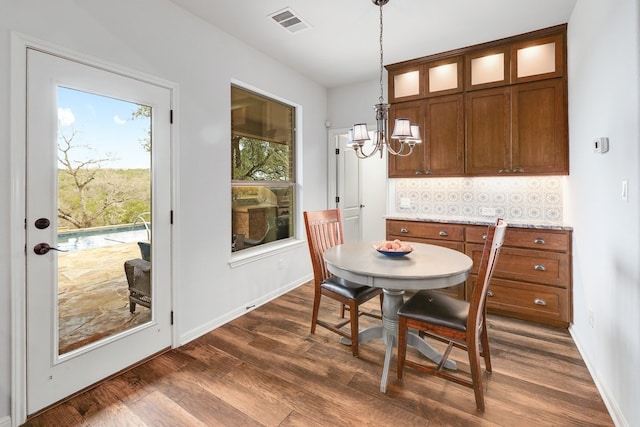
pixel 262 169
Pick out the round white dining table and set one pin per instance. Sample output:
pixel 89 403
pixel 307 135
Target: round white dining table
pixel 426 267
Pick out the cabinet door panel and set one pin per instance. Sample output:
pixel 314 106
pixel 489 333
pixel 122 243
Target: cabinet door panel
pixel 488 131
pixel 412 230
pixel 538 303
pixel 539 140
pixel 543 267
pixel 444 143
pixel 412 165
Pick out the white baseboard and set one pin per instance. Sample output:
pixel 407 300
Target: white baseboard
pixel 227 317
pixel 612 406
pixel 5 422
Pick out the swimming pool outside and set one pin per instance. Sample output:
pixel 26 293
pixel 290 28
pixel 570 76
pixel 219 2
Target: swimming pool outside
pixel 100 237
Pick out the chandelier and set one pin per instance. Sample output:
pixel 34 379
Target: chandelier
pixel 407 133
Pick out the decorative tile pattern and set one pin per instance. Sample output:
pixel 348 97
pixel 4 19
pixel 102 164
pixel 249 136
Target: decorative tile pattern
pixel 516 199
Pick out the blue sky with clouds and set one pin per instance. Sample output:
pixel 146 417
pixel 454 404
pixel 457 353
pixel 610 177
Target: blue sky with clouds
pixel 104 129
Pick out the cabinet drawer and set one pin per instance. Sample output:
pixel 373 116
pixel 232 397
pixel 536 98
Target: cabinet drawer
pixel 434 231
pixel 549 268
pixel 539 303
pixel 552 240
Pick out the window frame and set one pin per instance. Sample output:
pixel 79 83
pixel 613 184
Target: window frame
pixel 267 249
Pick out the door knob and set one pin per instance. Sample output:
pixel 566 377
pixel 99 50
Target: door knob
pixel 43 248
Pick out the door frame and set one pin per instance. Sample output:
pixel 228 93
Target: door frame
pixel 17 197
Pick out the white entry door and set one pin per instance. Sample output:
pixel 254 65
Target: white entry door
pixel 98 196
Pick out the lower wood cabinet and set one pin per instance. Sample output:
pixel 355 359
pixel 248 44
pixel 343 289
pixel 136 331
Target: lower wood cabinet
pixel 532 280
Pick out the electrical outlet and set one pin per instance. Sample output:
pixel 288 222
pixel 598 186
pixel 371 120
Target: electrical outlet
pixel 488 211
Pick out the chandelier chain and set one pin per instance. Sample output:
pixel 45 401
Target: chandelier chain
pixel 381 99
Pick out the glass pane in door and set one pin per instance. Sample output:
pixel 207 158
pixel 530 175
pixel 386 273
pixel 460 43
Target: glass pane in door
pixel 104 217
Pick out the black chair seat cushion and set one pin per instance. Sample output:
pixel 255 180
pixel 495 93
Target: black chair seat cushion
pixel 437 309
pixel 349 289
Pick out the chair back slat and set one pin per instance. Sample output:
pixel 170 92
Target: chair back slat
pixel 324 230
pixel 490 252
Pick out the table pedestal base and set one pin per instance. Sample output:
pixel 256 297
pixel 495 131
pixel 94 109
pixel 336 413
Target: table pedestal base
pixel 388 331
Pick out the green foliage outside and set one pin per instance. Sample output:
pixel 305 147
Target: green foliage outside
pixel 115 196
pixel 258 160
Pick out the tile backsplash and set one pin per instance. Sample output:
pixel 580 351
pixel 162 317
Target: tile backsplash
pixel 516 199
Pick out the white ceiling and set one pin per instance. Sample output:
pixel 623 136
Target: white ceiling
pixel 342 44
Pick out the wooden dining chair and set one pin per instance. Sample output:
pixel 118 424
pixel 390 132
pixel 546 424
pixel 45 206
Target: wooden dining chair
pixel 456 322
pixel 324 230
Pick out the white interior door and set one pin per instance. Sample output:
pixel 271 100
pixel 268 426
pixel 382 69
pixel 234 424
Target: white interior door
pixel 360 185
pixel 81 173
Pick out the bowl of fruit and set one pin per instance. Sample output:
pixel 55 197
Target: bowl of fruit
pixel 393 248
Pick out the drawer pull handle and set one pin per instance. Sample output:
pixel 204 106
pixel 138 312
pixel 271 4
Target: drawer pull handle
pixel 489 293
pixel 404 230
pixel 443 233
pixel 539 241
pixel 484 237
pixel 539 301
pixel 540 267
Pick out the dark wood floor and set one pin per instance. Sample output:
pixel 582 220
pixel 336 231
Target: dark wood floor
pixel 266 369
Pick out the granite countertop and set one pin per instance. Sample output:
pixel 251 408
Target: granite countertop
pixel 480 221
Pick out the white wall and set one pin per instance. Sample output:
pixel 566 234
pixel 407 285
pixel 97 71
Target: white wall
pixel 604 72
pixel 155 37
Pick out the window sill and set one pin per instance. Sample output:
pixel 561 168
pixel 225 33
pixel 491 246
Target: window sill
pixel 247 256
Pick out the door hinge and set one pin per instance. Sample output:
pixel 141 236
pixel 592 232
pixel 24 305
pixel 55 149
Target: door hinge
pixel 337 151
pixel 172 317
pixel 337 199
pixel 171 116
pixel 171 217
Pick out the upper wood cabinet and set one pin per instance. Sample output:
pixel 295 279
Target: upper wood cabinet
pixel 518 129
pixel 490 109
pixel 488 68
pixel 412 165
pixel 538 59
pixel 434 78
pixel 406 83
pixel 441 152
pixel 444 77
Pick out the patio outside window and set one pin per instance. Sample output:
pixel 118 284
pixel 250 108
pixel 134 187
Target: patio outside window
pixel 262 169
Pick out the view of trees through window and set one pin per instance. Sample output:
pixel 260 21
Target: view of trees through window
pixel 262 169
pixel 104 149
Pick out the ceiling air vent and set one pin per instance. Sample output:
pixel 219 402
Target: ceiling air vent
pixel 289 20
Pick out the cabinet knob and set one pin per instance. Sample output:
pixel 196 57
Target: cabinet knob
pixel 539 241
pixel 540 267
pixel 519 170
pixel 489 293
pixel 539 301
pixel 404 230
pixel 503 170
pixel 443 233
pixel 484 237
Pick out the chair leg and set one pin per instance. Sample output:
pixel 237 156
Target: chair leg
pixel 476 373
pixel 316 309
pixel 402 345
pixel 381 301
pixel 353 315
